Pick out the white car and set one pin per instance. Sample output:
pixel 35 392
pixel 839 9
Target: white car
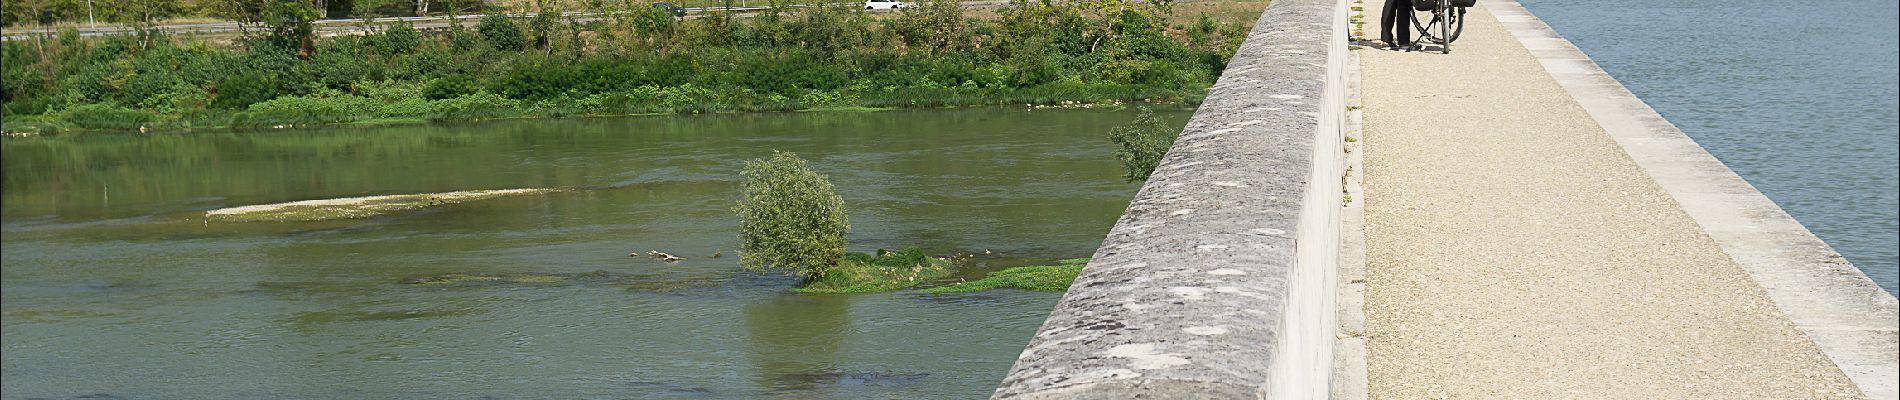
pixel 883 5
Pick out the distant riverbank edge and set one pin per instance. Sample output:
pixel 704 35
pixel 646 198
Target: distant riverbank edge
pixel 635 61
pixel 352 110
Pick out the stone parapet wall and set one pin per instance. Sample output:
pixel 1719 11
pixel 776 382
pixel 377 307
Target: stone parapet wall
pixel 1217 282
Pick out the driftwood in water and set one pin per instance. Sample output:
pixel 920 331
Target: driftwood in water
pixel 658 255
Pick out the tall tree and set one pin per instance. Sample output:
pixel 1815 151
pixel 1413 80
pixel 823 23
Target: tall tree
pixel 290 25
pixel 140 15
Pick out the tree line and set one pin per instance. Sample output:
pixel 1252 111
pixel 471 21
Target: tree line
pixel 630 59
pixel 141 12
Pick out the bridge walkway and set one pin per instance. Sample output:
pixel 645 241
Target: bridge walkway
pixel 1514 250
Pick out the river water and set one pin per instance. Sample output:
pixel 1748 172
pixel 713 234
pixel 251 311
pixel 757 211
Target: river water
pixel 1799 97
pixel 115 285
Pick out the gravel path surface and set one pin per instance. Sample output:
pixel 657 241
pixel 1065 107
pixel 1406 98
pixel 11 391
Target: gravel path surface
pixel 1515 251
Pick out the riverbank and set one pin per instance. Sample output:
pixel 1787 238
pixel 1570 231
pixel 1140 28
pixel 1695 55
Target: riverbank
pixel 106 120
pixel 819 58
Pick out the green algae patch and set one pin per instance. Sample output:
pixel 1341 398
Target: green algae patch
pixel 1042 278
pixel 884 272
pixel 355 207
pixel 494 279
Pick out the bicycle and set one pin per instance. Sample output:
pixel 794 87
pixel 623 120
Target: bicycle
pixel 1448 18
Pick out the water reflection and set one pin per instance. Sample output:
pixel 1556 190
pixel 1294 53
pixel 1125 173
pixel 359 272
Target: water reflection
pixel 795 341
pixel 142 290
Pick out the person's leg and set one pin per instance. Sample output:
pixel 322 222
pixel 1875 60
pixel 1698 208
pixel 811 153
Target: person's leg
pixel 1385 22
pixel 1404 17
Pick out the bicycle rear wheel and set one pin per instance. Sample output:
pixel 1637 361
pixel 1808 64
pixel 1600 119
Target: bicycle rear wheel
pixel 1457 24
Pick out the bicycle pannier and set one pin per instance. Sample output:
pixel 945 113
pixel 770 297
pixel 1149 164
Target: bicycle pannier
pixel 1428 5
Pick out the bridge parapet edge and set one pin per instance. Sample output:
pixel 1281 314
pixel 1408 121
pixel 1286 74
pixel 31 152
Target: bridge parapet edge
pixel 1223 258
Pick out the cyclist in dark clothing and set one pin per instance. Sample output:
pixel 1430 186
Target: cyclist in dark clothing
pixel 1397 15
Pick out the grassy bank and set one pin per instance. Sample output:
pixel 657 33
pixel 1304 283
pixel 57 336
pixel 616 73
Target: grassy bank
pixel 890 271
pixel 1042 278
pixel 637 61
pixel 883 272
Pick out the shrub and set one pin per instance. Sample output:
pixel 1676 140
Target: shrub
pixel 789 218
pixel 1141 144
pixel 450 86
pixel 935 25
pixel 290 25
pixel 387 90
pixel 686 95
pixel 480 105
pixel 501 32
pixel 324 108
pixel 242 90
pixel 107 116
pixel 180 98
pixel 410 107
pixel 400 38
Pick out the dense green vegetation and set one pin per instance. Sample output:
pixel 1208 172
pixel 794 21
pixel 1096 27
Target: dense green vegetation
pixel 144 12
pixel 883 272
pixel 1141 143
pixel 790 218
pixel 1044 278
pixel 637 61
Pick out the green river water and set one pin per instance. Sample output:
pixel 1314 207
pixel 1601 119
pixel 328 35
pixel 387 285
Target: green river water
pixel 115 285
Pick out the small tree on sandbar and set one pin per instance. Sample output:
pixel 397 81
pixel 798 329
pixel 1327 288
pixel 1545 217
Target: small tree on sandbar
pixel 790 218
pixel 1141 144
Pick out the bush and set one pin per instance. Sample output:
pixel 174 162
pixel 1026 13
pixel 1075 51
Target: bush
pixel 935 25
pixel 290 23
pixel 480 105
pixel 450 86
pixel 327 108
pixel 107 116
pixel 242 90
pixel 1141 144
pixel 181 98
pixel 789 218
pixel 398 39
pixel 501 32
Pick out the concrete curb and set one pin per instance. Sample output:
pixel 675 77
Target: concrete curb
pixel 1847 316
pixel 1349 351
pixel 1218 281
